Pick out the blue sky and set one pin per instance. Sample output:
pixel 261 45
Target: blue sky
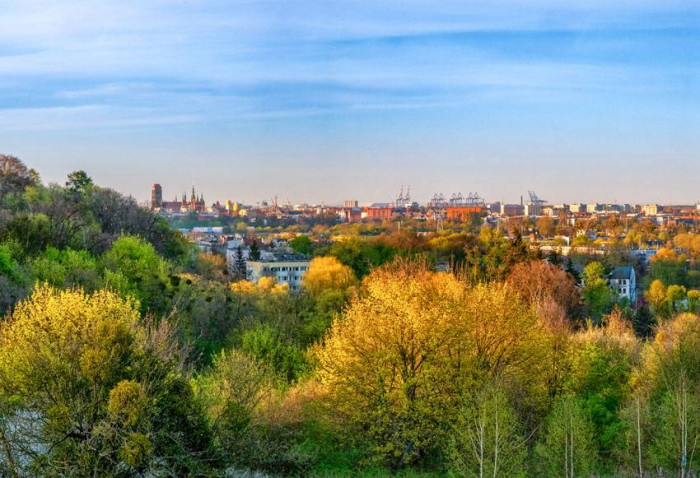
pixel 330 100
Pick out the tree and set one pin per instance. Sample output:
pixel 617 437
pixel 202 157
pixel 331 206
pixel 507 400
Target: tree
pixel 566 442
pixel 657 299
pixel 694 301
pixel 669 267
pixel 675 295
pixel 132 266
pixel 66 269
pixel 636 418
pixel 14 176
pixel 408 345
pixel 487 438
pixel 545 226
pixel 601 361
pixel 302 245
pixel 231 390
pixel 211 266
pixel 538 281
pixel 595 291
pixel 78 182
pixel 268 345
pixel 237 391
pixel 85 390
pixel 328 273
pixel 240 267
pixel 670 374
pixel 254 251
pixel 677 435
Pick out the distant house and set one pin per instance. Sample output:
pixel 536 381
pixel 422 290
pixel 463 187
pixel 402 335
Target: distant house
pixel 623 281
pixel 286 268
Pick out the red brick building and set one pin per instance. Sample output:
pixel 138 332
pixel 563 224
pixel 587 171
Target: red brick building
pixel 463 213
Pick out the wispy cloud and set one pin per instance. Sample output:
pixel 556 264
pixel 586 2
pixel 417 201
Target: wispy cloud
pixel 85 116
pixel 254 75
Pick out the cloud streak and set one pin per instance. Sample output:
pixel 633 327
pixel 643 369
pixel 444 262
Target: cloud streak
pixel 381 80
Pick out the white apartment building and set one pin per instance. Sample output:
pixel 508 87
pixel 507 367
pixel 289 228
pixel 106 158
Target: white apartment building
pixel 651 209
pixel 286 268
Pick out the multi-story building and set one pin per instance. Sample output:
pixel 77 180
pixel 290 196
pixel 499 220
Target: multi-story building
pixel 286 268
pixel 651 209
pixel 512 209
pixel 378 212
pixel 534 209
pixel 623 282
pixel 194 204
pixel 463 213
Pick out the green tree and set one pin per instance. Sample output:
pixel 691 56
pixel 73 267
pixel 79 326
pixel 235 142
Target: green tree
pixel 132 266
pixel 596 292
pixel 78 182
pixel 669 267
pixel 677 434
pixel 601 367
pixel 302 245
pixel 487 438
pixel 240 266
pixel 675 295
pixel 268 345
pixel 254 251
pixel 634 448
pixel 566 442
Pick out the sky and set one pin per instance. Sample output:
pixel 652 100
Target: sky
pixel 327 100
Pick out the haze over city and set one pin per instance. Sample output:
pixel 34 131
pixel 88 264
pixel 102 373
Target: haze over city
pixel 326 101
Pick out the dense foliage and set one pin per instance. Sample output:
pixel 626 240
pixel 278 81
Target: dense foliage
pixel 125 352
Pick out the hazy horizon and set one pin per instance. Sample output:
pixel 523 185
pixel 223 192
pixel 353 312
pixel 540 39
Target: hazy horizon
pixel 326 101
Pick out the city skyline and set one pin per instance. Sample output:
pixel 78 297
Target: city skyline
pixel 185 197
pixel 579 101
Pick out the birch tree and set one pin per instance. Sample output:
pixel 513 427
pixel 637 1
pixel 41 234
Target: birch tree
pixel 487 439
pixel 566 444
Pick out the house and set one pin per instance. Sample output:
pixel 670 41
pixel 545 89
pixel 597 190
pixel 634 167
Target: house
pixel 623 282
pixel 286 268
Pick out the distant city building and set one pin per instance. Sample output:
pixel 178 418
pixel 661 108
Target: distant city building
pixel 463 213
pixel 156 196
pixel 651 209
pixel 350 203
pixel 577 208
pixel 194 204
pixel 286 268
pixel 378 212
pixel 512 210
pixel 534 209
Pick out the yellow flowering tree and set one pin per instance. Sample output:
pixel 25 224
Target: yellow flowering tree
pixel 86 389
pixel 405 353
pixel 328 273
